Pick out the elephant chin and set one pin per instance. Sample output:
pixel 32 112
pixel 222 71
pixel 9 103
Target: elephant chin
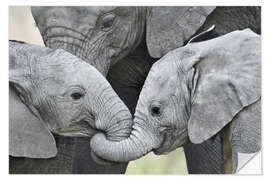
pixel 168 145
pixel 101 161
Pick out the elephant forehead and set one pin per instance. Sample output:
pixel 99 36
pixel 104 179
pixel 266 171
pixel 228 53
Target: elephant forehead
pixel 68 74
pixel 57 61
pixel 57 65
pixel 90 13
pixel 79 10
pixel 79 18
pixel 160 86
pixel 86 74
pixel 162 70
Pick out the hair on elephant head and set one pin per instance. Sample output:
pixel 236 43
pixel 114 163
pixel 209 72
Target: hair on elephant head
pixel 192 93
pixel 54 91
pixel 103 35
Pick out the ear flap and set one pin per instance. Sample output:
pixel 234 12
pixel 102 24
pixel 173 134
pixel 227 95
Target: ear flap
pixel 229 81
pixel 169 27
pixel 28 134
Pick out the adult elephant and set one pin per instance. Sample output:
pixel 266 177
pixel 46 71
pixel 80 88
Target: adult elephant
pixel 123 42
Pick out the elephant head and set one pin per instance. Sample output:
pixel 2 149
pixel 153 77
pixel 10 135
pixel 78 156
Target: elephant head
pixel 54 91
pixel 103 35
pixel 191 94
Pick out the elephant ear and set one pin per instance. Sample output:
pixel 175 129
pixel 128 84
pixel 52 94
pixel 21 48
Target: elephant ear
pixel 169 27
pixel 28 134
pixel 229 81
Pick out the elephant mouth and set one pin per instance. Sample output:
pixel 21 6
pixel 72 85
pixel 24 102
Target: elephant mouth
pixel 162 149
pixel 170 143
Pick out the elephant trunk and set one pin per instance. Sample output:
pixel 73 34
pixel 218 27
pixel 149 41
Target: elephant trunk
pixel 78 44
pixel 89 52
pixel 140 142
pixel 111 116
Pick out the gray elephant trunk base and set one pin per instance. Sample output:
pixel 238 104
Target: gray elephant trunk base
pixel 192 93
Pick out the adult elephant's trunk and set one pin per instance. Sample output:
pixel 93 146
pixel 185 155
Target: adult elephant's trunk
pixel 140 142
pixel 90 52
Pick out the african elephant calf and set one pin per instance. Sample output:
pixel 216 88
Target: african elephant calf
pixel 193 93
pixel 53 91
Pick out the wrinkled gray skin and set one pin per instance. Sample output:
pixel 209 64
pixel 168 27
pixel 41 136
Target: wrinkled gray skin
pixel 53 91
pixel 156 34
pixel 191 94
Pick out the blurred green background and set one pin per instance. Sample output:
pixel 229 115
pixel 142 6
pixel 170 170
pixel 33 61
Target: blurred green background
pixel 22 27
pixel 173 163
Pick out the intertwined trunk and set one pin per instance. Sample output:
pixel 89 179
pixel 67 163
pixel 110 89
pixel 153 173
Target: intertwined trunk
pixel 113 117
pixel 142 140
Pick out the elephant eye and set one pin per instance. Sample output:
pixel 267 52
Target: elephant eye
pixel 108 21
pixel 75 92
pixel 155 111
pixel 76 95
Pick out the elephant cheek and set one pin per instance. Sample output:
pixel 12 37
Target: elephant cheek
pixel 79 129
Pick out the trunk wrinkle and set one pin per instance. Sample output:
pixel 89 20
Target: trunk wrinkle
pixel 136 145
